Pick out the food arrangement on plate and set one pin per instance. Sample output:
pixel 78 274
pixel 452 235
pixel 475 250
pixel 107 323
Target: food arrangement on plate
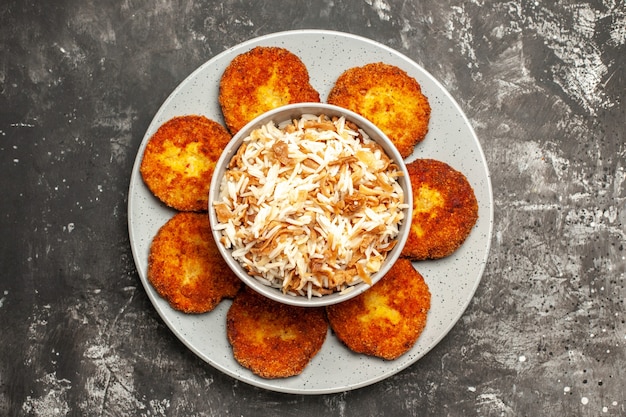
pixel 350 184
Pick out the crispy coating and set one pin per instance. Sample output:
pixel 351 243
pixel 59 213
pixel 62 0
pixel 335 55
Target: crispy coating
pixel 387 319
pixel 388 97
pixel 185 266
pixel 444 210
pixel 180 158
pixel 260 80
pixel 272 339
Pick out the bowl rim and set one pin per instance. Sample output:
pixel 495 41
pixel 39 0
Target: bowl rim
pixel 279 115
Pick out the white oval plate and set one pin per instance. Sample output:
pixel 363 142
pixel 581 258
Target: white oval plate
pixel 452 281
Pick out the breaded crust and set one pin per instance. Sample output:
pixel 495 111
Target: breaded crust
pixel 180 158
pixel 185 266
pixel 387 96
pixel 272 339
pixel 444 210
pixel 260 80
pixel 387 319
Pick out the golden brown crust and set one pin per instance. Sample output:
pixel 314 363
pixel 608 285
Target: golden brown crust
pixel 180 158
pixel 444 210
pixel 185 266
pixel 272 339
pixel 387 319
pixel 260 80
pixel 388 97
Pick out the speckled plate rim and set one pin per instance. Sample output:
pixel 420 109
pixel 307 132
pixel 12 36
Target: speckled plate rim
pixel 452 281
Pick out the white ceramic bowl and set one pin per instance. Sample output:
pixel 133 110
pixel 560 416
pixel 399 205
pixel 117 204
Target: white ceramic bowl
pixel 290 112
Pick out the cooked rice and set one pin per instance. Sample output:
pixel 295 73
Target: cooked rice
pixel 310 206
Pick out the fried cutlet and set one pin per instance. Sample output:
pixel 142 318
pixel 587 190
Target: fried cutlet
pixel 387 319
pixel 260 80
pixel 444 210
pixel 388 97
pixel 179 160
pixel 185 266
pixel 272 339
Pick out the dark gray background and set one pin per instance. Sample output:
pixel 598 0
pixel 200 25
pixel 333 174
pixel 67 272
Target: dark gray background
pixel 543 85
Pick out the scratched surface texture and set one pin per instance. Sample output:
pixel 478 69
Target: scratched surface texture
pixel 543 83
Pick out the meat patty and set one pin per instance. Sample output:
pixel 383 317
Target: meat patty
pixel 260 80
pixel 387 319
pixel 272 339
pixel 444 210
pixel 179 160
pixel 388 97
pixel 185 266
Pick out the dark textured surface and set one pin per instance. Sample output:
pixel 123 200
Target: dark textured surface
pixel 542 83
